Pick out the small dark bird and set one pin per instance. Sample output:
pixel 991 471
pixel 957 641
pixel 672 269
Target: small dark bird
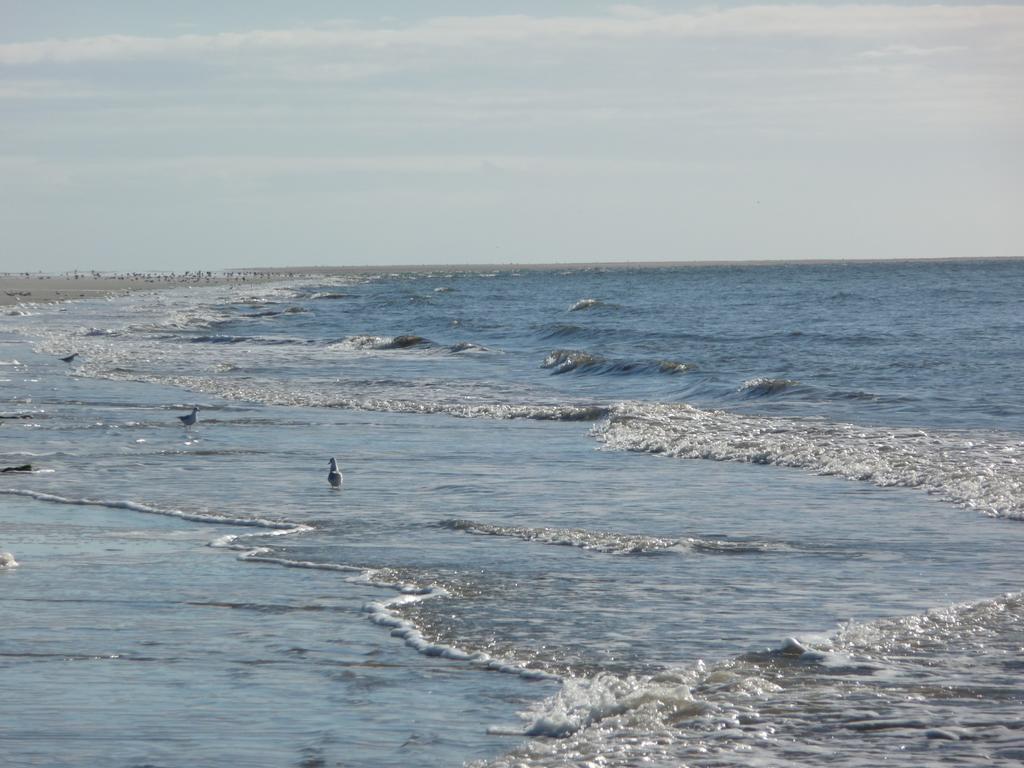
pixel 190 419
pixel 70 357
pixel 334 476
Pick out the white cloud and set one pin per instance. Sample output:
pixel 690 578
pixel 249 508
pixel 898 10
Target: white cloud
pixel 634 119
pixel 910 51
pixel 883 22
pixel 242 167
pixel 27 90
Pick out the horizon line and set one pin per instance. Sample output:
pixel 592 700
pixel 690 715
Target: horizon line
pixel 624 264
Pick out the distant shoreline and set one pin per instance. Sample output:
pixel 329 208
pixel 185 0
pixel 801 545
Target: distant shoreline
pixel 17 288
pixel 571 265
pixel 22 288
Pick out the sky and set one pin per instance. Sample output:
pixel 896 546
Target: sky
pixel 199 135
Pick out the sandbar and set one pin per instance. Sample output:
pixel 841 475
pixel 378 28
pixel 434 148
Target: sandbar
pixel 36 288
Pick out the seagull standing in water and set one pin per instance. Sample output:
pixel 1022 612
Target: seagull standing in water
pixel 334 476
pixel 190 419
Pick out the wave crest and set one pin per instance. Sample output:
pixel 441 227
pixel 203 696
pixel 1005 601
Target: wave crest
pixel 565 360
pixel 753 708
pixel 404 341
pixel 766 387
pixel 600 541
pixel 330 295
pixel 613 543
pixel 136 506
pixel 467 346
pixel 585 304
pixel 986 475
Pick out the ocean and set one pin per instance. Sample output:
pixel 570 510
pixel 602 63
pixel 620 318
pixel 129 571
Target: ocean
pixel 724 515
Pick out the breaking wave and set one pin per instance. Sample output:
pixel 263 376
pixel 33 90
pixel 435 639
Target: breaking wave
pixel 585 304
pixel 930 688
pixel 764 387
pixel 467 346
pixel 566 360
pixel 383 342
pixel 982 474
pixel 278 393
pixel 329 295
pixel 389 613
pixel 611 543
pixel 385 613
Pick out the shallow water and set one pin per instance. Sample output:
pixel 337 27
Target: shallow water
pixel 582 514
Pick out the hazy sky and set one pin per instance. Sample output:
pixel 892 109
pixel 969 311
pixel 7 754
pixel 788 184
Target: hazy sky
pixel 194 134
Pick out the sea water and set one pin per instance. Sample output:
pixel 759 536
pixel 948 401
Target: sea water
pixel 724 515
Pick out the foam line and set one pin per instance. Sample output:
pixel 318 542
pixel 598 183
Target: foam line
pixel 134 506
pixel 384 613
pixel 884 657
pixel 613 543
pixel 380 613
pixel 981 472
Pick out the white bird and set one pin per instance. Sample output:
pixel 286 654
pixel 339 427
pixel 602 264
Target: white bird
pixel 190 419
pixel 334 476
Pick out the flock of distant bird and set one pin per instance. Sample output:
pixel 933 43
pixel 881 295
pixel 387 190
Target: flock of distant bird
pixel 334 476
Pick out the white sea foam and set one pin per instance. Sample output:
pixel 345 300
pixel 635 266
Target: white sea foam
pixel 329 295
pixel 986 474
pixel 979 471
pixel 382 342
pixel 386 614
pixel 763 387
pixel 383 613
pixel 906 681
pixel 278 393
pixel 609 542
pixel 135 506
pixel 585 304
pixel 983 471
pixel 565 360
pixel 969 624
pixel 467 346
pixel 7 561
pixel 600 541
